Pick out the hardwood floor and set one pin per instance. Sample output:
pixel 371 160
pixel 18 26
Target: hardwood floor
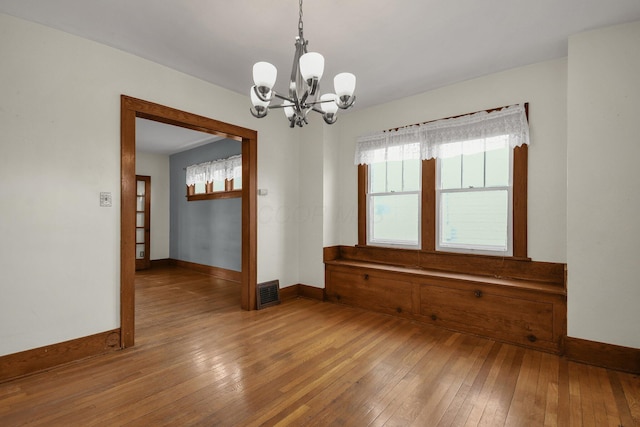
pixel 200 360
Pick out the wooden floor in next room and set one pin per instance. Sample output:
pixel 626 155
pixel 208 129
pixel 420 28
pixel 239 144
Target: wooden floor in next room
pixel 200 360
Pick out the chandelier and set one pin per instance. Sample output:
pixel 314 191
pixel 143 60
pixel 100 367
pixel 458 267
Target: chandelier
pixel 304 87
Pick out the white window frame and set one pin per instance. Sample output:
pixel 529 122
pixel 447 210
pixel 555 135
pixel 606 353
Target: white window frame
pixel 370 214
pixel 475 249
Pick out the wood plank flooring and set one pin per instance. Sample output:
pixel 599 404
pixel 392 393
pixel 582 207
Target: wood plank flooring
pixel 201 361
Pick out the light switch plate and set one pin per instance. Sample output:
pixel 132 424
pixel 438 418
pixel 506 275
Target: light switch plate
pixel 105 199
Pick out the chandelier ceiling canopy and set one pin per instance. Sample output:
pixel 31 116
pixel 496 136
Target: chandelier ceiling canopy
pixel 304 87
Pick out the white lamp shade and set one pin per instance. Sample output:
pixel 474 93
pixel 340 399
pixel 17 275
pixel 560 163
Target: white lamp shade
pixel 344 84
pixel 311 65
pixel 257 102
pixel 288 109
pixel 328 103
pixel 264 74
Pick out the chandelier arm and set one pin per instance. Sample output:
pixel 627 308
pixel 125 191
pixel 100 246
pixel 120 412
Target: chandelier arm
pixel 284 98
pixel 331 120
pixel 260 96
pixel 258 115
pixel 346 105
pixel 303 100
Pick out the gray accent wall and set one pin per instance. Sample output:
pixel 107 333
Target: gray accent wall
pixel 207 232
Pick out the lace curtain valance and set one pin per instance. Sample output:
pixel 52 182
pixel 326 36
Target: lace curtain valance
pixel 216 170
pixel 428 140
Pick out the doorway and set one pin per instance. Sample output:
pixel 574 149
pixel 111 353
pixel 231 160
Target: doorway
pixel 132 108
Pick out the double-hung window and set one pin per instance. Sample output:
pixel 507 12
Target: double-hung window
pixel 452 185
pixel 393 197
pixel 474 196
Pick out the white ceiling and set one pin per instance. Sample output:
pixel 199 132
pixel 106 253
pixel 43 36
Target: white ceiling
pixel 161 138
pixel 395 48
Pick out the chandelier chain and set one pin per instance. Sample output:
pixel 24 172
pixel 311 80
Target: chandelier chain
pixel 300 21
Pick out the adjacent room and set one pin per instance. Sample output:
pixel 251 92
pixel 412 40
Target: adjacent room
pixel 413 223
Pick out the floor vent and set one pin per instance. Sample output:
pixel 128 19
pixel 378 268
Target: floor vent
pixel 268 294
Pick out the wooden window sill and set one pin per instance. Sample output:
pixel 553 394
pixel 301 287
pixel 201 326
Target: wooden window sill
pixel 217 195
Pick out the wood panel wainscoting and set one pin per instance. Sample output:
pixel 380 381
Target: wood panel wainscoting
pixel 38 359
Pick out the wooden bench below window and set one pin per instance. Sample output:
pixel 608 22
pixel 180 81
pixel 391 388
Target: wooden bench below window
pixel 528 310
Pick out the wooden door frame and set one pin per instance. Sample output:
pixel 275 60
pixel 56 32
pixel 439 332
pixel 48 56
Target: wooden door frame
pixel 132 108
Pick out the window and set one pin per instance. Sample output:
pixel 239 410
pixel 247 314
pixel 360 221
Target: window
pixel 393 199
pixel 216 179
pixel 474 196
pixel 465 190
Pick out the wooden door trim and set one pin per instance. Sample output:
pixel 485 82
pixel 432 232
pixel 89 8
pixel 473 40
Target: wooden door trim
pixel 132 108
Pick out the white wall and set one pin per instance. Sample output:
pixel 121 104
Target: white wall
pixel 603 191
pixel 60 147
pixel 310 212
pixel 543 85
pixel 157 167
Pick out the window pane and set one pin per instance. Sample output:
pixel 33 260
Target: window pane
pixel 395 218
pixel 377 177
pixel 200 188
pixel 218 185
pixel 450 172
pixel 473 164
pixel 476 218
pixel 394 176
pixel 497 161
pixel 237 183
pixel 412 175
pixel 140 187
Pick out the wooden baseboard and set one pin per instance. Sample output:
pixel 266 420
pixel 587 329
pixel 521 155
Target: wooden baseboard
pixel 288 293
pixel 605 355
pixel 38 359
pixel 221 273
pixel 302 291
pixel 156 263
pixel 311 292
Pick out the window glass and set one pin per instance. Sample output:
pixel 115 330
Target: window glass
pixel 218 185
pixel 497 162
pixel 394 203
pixel 395 218
pixel 475 220
pixel 394 176
pixel 474 197
pixel 411 178
pixel 200 187
pixel 472 164
pixel 237 183
pixel 451 172
pixel 377 177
